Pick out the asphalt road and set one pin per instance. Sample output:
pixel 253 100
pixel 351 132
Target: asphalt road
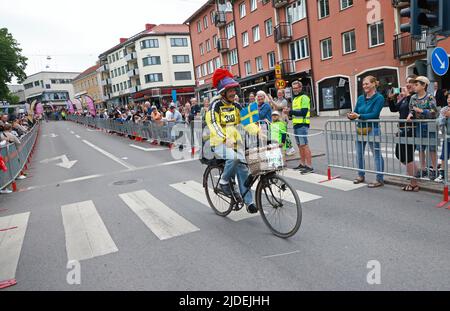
pixel 133 218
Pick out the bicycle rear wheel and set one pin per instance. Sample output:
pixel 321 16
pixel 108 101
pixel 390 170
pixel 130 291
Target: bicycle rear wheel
pixel 219 202
pixel 279 205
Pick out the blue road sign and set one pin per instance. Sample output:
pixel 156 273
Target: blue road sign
pixel 439 61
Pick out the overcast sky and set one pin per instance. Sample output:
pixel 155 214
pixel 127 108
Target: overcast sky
pixel 75 32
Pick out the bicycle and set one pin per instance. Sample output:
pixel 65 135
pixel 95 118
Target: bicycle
pixel 270 187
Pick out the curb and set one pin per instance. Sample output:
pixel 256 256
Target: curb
pixel 421 185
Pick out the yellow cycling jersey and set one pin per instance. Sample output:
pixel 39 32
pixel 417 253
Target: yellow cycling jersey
pixel 222 120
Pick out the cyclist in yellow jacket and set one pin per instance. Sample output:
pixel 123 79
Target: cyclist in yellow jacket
pixel 222 120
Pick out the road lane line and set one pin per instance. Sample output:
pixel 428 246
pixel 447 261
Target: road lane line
pixel 159 218
pixel 316 179
pixel 195 191
pixel 86 234
pixel 304 197
pixel 148 149
pixel 279 255
pixel 11 242
pixel 78 136
pixel 109 155
pixel 72 132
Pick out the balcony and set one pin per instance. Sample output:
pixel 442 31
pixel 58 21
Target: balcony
pixel 279 3
pixel 132 57
pixel 283 33
pixel 106 82
pixel 133 73
pixel 103 68
pixel 220 18
pixel 399 4
pixel 287 67
pixel 406 46
pixel 135 89
pixel 223 45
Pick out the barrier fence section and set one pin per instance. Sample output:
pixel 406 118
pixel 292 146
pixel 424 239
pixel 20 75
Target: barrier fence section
pixel 400 148
pixel 17 157
pixel 176 134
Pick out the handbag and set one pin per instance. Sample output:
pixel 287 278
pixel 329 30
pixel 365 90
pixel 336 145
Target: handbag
pixel 363 130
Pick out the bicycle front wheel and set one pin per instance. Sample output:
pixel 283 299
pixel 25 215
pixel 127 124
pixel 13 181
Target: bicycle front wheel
pixel 279 205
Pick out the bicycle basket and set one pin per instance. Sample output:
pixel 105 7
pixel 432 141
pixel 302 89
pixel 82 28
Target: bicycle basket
pixel 265 159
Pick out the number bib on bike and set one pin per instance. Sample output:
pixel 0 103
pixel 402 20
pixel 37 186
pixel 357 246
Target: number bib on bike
pixel 229 116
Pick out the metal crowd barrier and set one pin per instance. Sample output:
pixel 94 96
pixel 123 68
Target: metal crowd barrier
pixel 16 157
pixel 389 148
pixel 172 133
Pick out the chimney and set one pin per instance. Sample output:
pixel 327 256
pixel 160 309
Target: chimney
pixel 149 27
pixel 122 40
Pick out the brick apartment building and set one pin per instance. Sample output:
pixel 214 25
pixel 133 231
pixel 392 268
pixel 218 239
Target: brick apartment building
pixel 329 44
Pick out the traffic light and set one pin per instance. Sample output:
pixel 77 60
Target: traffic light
pixel 411 11
pixel 444 18
pixel 429 14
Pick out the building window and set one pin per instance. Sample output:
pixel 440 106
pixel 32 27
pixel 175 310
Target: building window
pixel 201 49
pixel 208 46
pixel 215 41
pixel 152 60
pixel 269 27
pixel 242 10
pixel 205 69
pixel 232 57
pixel 271 59
pixel 230 30
pixel 326 48
pixel 198 70
pixel 210 67
pixel 183 75
pixel 296 11
pixel 324 8
pixel 376 34
pixel 199 26
pixel 253 5
pixel 36 83
pixel 217 63
pixel 150 43
pixel 153 77
pixel 255 31
pixel 349 42
pixel 245 39
pixel 248 68
pixel 177 42
pixel 346 4
pixel 180 59
pixel 259 64
pixel 205 22
pixel 299 49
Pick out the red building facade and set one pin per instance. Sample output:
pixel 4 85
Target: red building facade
pixel 330 45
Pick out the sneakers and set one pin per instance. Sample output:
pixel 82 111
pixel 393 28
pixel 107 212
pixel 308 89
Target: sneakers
pixel 21 177
pixel 252 209
pixel 290 151
pixel 441 177
pixel 307 170
pixel 5 191
pixel 225 188
pixel 300 167
pixel 421 174
pixel 432 174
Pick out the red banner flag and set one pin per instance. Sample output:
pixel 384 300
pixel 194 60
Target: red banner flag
pixel 3 165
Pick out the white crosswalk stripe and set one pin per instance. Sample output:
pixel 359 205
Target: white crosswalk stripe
pixel 339 184
pixel 86 234
pixel 159 218
pixel 11 243
pixel 195 191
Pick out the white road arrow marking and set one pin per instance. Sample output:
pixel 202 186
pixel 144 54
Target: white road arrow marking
pixel 52 135
pixel 440 61
pixel 64 164
pixel 147 149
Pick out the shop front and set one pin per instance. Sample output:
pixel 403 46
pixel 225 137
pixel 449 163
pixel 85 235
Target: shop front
pixel 162 97
pixel 334 96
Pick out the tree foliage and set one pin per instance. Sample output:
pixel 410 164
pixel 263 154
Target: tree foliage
pixel 12 63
